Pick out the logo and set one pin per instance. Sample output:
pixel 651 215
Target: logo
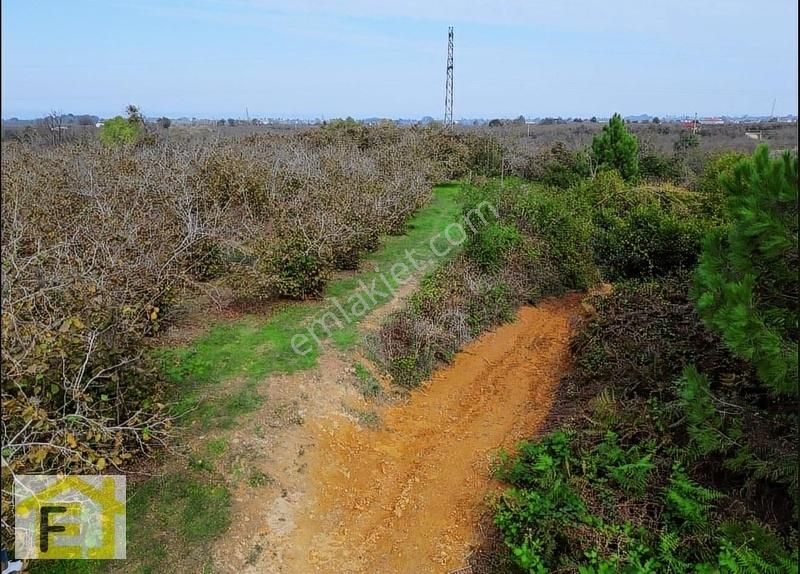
pixel 69 517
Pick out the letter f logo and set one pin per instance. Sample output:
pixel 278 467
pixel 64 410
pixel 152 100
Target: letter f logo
pixel 45 528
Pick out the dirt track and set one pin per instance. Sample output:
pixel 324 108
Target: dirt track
pixel 406 497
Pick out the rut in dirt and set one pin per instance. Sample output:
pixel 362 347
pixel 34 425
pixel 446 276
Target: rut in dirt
pixel 406 497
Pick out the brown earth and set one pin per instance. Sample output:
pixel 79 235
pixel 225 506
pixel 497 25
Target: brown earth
pixel 405 497
pixel 274 444
pixel 350 485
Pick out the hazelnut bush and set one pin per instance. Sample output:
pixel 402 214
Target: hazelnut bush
pixel 100 244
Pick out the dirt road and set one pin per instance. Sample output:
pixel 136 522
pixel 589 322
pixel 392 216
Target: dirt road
pixel 405 497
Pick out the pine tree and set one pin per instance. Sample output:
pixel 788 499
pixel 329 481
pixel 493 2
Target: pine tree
pixel 616 148
pixel 746 283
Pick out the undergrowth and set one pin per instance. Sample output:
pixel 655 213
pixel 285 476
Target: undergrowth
pixel 659 468
pixel 675 446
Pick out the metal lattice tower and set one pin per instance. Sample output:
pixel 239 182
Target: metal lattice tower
pixel 448 91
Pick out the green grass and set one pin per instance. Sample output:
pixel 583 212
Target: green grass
pixel 217 446
pixel 367 384
pixel 346 338
pixel 181 513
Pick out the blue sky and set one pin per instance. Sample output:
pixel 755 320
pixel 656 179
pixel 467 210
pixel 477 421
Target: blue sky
pixel 215 58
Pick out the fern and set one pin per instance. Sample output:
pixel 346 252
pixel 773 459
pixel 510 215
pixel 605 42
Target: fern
pixel 752 548
pixel 782 470
pixel 669 543
pixel 606 408
pixel 537 463
pixel 632 476
pixel 686 501
pixel 742 559
pixel 704 423
pixel 629 469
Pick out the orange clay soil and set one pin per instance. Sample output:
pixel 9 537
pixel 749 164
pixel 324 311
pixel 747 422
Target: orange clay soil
pixel 406 497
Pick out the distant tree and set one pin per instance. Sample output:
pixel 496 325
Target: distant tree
pixel 495 123
pixel 86 120
pixel 119 130
pixel 656 120
pixel 686 141
pixel 220 122
pixel 164 122
pixel 53 127
pixel 231 122
pixel 134 114
pixel 617 148
pixel 344 124
pixel 519 121
pixel 593 119
pixel 577 120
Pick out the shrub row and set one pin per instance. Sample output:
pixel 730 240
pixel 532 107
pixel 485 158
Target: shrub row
pixel 543 241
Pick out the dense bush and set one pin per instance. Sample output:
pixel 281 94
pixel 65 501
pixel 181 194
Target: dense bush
pixel 709 183
pixel 655 166
pixel 297 270
pixel 555 165
pixel 459 155
pixel 119 130
pixel 559 227
pixel 452 305
pixel 644 229
pixel 645 240
pixel 489 245
pixel 538 246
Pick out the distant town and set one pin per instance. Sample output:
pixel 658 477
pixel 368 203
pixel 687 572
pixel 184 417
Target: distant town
pixel 687 120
